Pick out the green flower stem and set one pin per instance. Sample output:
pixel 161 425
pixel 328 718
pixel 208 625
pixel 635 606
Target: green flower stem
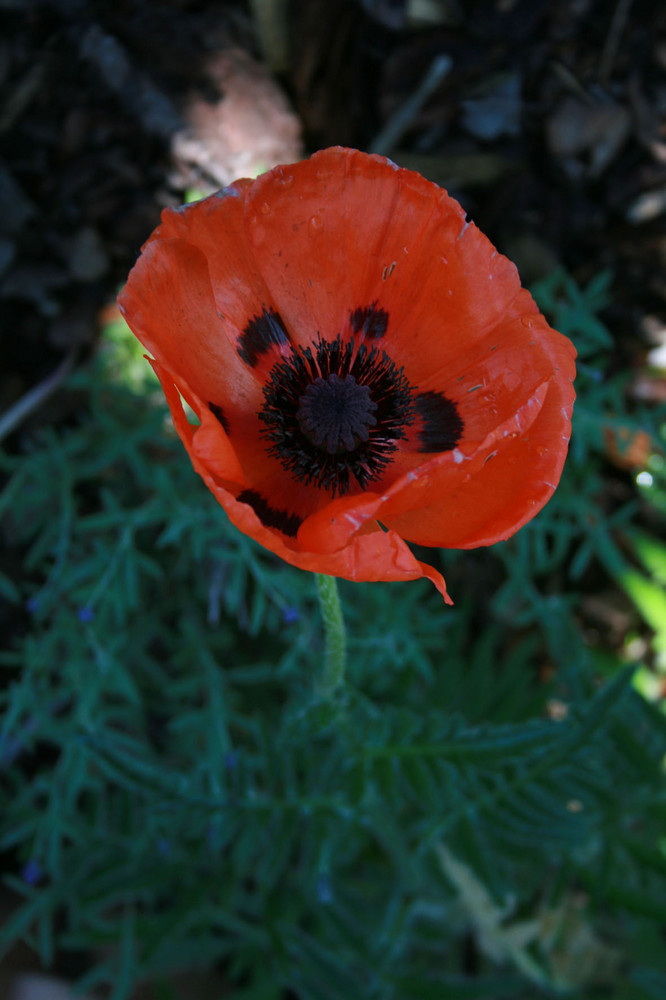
pixel 333 674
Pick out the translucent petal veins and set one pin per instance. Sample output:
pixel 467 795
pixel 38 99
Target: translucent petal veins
pixel 260 334
pixel 333 414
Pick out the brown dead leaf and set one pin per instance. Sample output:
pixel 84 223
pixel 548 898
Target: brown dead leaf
pixel 249 130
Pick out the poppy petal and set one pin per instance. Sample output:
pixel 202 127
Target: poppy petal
pixel 333 193
pixel 464 500
pixel 410 257
pixel 493 377
pixel 493 492
pixel 217 227
pixel 207 444
pixel 170 303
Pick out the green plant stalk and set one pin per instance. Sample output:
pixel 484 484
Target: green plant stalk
pixel 333 675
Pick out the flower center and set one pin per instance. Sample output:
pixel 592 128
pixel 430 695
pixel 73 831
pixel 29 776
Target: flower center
pixel 336 413
pixel 333 415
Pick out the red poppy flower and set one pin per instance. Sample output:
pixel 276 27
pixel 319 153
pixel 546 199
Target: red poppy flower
pixel 365 367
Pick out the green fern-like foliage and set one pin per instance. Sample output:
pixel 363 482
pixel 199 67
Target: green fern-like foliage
pixel 480 815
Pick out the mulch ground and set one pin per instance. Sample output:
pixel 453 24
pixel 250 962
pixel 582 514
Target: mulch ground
pixel 548 122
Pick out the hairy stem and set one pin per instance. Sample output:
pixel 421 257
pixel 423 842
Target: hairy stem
pixel 333 674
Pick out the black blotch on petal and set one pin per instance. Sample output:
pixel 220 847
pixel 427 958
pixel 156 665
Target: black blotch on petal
pixel 442 424
pixel 260 334
pixel 370 321
pixel 218 412
pixel 269 516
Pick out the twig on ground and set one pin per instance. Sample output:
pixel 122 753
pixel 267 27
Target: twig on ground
pixel 34 398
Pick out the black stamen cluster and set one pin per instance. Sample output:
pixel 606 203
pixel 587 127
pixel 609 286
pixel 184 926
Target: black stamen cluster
pixel 336 413
pixel 332 415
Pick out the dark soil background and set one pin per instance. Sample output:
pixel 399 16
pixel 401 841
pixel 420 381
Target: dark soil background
pixel 547 120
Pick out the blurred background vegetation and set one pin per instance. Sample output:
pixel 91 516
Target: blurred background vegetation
pixel 484 814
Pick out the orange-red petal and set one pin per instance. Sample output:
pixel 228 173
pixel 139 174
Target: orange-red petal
pixel 168 302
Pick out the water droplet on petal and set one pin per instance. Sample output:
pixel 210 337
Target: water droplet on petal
pixel 527 321
pixel 315 225
pixel 265 208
